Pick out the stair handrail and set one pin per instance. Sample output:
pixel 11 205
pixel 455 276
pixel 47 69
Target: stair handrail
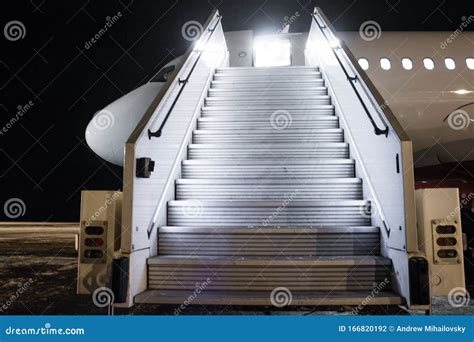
pixel 338 63
pixel 182 82
pixel 337 46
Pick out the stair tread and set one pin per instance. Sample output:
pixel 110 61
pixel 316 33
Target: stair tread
pixel 365 260
pixel 176 240
pixel 282 73
pixel 272 106
pixel 258 298
pixel 264 114
pixel 296 146
pixel 313 107
pixel 295 203
pixel 257 119
pixel 269 230
pixel 263 98
pixel 265 90
pixel 282 82
pixel 292 67
pixel 287 130
pixel 267 179
pixel 231 125
pixel 268 161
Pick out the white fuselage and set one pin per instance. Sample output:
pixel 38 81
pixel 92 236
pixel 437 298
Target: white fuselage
pixel 421 99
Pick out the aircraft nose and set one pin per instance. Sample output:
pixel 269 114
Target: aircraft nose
pixel 110 128
pixel 100 136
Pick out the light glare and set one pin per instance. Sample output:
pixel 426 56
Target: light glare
pixel 271 52
pixel 462 92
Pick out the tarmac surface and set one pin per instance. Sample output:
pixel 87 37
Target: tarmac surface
pixel 38 270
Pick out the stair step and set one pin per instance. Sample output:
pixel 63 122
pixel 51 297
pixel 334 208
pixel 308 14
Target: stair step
pixel 294 168
pixel 295 76
pixel 264 298
pixel 249 262
pixel 263 97
pixel 267 113
pixel 267 92
pixel 250 123
pixel 269 188
pixel 334 241
pixel 265 71
pixel 268 86
pixel 287 213
pixel 267 83
pixel 277 134
pixel 255 70
pixel 354 273
pixel 266 150
pixel 280 103
pixel 250 78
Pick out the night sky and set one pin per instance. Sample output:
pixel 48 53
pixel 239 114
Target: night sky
pixel 44 159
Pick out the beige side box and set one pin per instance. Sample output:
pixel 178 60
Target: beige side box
pixel 99 238
pixel 440 238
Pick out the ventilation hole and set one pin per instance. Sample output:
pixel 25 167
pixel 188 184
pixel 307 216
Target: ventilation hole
pixel 447 253
pixel 445 229
pixel 446 241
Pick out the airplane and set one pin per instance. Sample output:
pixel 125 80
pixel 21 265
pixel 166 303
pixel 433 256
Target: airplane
pixel 426 78
pixel 110 127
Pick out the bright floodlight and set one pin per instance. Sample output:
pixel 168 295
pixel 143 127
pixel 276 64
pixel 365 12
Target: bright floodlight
pixel 272 52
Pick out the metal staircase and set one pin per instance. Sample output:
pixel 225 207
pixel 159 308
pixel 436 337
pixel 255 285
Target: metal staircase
pixel 268 199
